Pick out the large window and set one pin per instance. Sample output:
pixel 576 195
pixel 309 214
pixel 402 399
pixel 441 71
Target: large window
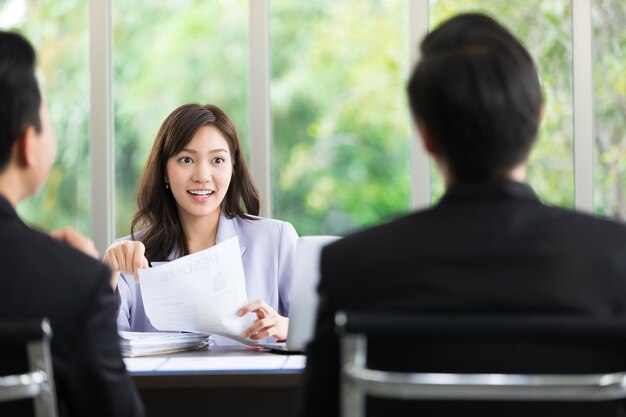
pixel 546 30
pixel 609 53
pixel 167 53
pixel 59 33
pixel 340 120
pixel 341 153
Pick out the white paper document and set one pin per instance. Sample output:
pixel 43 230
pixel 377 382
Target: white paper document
pixel 200 292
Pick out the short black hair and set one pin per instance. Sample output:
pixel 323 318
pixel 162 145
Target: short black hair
pixel 20 98
pixel 477 91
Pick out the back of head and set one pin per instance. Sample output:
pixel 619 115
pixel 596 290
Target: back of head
pixel 477 91
pixel 20 98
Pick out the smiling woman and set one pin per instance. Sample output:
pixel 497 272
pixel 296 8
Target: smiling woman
pixel 196 191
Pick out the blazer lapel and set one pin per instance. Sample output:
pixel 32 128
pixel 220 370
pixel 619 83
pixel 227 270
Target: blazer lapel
pixel 228 228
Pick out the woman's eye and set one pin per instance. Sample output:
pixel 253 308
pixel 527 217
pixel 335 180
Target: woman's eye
pixel 218 160
pixel 185 160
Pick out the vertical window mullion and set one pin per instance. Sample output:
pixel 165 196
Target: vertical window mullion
pixel 101 124
pixel 583 105
pixel 420 162
pixel 259 110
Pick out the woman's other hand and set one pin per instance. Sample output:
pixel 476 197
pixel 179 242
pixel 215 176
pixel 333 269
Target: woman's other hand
pixel 268 322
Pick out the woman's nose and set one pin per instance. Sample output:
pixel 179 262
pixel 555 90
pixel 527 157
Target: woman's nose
pixel 203 173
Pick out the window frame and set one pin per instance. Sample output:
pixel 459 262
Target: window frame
pixel 102 131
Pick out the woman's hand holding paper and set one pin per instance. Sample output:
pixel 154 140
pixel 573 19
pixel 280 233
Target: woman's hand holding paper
pixel 268 322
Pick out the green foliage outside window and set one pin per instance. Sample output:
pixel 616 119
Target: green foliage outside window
pixel 339 114
pixel 58 30
pixel 167 53
pixel 341 126
pixel 545 28
pixel 609 53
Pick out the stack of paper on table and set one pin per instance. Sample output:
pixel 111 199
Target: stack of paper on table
pixel 151 343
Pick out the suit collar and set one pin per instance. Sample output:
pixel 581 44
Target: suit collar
pixel 6 209
pixel 228 228
pixel 500 189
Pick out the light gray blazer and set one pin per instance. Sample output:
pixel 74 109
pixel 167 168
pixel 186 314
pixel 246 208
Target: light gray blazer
pixel 267 252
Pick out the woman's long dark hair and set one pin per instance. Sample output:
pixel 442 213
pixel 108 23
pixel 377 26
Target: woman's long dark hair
pixel 157 214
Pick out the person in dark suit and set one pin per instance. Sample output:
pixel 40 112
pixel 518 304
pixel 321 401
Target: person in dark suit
pixel 488 246
pixel 46 276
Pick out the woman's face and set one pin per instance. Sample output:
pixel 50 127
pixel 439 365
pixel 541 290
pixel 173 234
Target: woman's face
pixel 200 174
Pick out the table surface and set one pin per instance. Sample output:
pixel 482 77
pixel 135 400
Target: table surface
pixel 217 366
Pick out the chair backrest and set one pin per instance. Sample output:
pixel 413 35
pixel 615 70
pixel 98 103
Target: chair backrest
pixel 479 358
pixel 32 376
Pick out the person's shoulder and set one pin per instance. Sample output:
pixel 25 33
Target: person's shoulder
pixel 582 219
pixel 258 220
pixel 262 224
pixel 63 259
pixel 130 238
pixel 384 233
pixel 585 230
pixel 123 239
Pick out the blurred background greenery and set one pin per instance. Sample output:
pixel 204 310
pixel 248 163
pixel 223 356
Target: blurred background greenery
pixel 341 151
pixel 58 30
pixel 609 55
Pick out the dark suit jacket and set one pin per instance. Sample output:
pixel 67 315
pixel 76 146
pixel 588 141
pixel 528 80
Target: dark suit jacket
pixel 40 277
pixel 489 247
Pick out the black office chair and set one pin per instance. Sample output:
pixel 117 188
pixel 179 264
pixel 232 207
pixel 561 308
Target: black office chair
pixel 25 349
pixel 497 360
